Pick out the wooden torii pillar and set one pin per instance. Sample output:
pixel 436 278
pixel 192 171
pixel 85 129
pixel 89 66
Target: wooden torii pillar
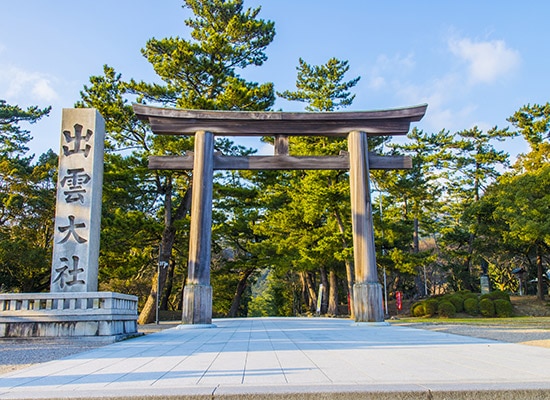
pixel 356 126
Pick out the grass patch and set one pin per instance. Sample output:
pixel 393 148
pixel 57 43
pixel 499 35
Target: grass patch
pixel 534 322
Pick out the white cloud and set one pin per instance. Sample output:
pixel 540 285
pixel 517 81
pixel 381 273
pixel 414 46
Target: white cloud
pixel 487 61
pixel 43 90
pixel 388 67
pixel 18 83
pixel 440 94
pixel 453 97
pixel 377 82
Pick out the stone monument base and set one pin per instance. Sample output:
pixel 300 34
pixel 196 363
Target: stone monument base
pixel 103 315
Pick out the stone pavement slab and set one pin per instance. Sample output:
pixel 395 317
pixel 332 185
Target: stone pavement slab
pixel 291 358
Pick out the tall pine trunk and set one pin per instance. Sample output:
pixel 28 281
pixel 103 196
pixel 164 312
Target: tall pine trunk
pixel 310 287
pixel 332 293
pixel 540 283
pixel 304 291
pixel 241 287
pixel 165 295
pixel 350 269
pixel 325 291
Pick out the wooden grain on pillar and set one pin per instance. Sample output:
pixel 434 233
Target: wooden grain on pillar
pixel 280 145
pixel 198 292
pixel 367 291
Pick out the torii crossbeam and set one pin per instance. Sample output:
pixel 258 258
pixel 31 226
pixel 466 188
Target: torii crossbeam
pixel 356 126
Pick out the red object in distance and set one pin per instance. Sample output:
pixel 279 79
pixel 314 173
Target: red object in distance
pixel 399 300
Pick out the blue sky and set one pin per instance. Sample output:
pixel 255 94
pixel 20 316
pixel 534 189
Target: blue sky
pixel 473 62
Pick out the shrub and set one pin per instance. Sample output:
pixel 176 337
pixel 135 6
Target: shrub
pixel 469 295
pixel 497 294
pixel 417 309
pixel 430 307
pixel 487 307
pixel 503 308
pixel 471 305
pixel 458 302
pixel 446 309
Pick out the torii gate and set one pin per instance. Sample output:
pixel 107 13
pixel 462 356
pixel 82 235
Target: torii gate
pixel 357 126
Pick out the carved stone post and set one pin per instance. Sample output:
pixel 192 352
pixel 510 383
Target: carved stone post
pixel 197 295
pixel 78 207
pixel 367 292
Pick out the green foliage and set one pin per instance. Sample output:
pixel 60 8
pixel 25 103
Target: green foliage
pixel 417 309
pixel 496 294
pixel 458 302
pixel 471 306
pixel 13 139
pixel 271 296
pixel 307 219
pixel 27 204
pixel 434 222
pixel 487 307
pixel 514 208
pixel 198 72
pixel 446 309
pixel 503 308
pixel 430 307
pixel 466 294
pixel 448 305
pixel 201 73
pixel 533 122
pixel 321 86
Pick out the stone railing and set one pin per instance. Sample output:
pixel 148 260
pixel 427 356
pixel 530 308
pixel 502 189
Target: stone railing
pixel 67 314
pixel 30 303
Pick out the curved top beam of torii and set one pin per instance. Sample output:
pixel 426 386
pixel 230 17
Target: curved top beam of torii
pixel 170 121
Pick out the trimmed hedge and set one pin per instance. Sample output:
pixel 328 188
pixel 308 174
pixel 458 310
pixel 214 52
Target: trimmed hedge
pixel 487 307
pixel 493 304
pixel 471 306
pixel 430 307
pixel 446 309
pixel 417 309
pixel 503 308
pixel 497 294
pixel 458 302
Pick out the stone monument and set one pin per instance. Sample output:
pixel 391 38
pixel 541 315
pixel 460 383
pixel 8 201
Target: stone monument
pixel 78 207
pixel 74 307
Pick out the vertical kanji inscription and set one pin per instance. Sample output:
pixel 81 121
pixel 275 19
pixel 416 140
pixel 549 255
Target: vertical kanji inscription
pixel 76 143
pixel 78 209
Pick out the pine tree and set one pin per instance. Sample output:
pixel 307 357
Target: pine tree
pixel 313 221
pixel 27 203
pixel 198 73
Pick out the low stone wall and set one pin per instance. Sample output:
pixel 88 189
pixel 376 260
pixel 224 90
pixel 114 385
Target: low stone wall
pixel 85 314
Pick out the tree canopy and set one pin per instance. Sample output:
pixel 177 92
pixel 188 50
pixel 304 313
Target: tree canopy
pixel 278 235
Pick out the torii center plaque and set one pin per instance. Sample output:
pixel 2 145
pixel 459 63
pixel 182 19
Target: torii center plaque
pixel 356 126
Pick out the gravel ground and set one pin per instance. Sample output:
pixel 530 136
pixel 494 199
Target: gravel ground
pixel 21 353
pixel 17 353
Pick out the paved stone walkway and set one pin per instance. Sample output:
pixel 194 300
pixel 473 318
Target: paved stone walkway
pixel 291 358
